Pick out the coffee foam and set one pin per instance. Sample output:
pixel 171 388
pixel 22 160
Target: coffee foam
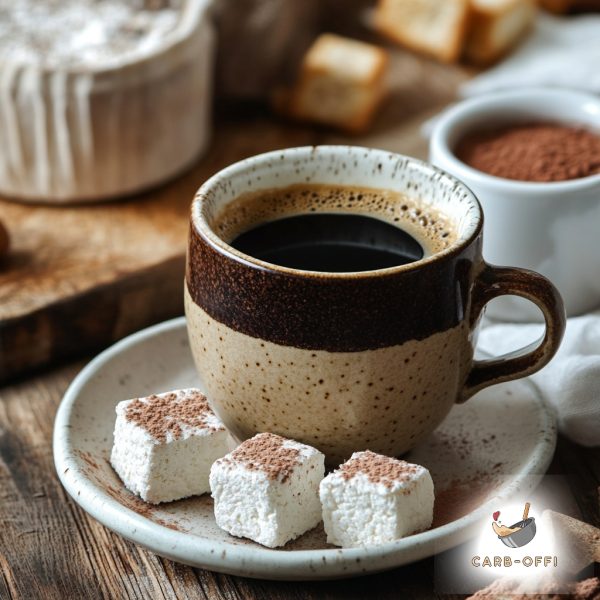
pixel 430 227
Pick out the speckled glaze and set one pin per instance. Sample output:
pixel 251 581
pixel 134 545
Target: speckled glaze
pixel 347 361
pixel 486 451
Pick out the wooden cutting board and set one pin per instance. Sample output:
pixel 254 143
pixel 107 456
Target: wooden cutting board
pixel 79 278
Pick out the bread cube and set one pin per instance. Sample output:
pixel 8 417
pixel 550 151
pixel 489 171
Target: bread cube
pixel 341 83
pixel 434 27
pixel 495 27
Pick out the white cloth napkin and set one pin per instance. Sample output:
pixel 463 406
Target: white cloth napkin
pixel 560 52
pixel 571 381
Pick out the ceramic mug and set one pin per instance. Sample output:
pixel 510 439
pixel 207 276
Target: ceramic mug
pixel 349 361
pixel 551 228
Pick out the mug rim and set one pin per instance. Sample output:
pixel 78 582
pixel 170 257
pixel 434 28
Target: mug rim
pixel 202 227
pixel 491 104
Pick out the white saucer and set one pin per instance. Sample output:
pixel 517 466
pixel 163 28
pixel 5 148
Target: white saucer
pixel 496 444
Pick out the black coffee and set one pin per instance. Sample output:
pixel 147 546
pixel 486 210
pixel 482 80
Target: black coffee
pixel 330 242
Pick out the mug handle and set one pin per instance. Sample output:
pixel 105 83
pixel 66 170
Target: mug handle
pixel 495 281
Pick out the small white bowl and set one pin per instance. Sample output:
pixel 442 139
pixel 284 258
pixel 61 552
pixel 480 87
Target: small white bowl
pixel 77 134
pixel 552 228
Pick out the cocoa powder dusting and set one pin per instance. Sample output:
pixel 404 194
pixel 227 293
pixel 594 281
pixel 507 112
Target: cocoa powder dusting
pixel 104 476
pixel 587 590
pixel 379 468
pixel 460 498
pixel 88 459
pixel 266 452
pixel 161 414
pixel 137 505
pixel 542 152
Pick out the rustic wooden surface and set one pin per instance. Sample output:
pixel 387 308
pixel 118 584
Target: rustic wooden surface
pixel 79 278
pixel 51 549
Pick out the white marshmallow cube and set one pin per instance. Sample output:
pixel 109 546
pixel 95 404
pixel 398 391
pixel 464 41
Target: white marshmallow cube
pixel 267 489
pixel 373 499
pixel 165 444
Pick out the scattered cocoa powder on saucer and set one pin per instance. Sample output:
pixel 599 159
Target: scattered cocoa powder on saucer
pixel 460 498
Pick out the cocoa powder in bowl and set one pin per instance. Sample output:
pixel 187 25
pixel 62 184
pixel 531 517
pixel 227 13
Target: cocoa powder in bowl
pixel 541 152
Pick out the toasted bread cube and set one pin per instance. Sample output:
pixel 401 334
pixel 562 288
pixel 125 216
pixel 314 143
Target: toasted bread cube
pixel 495 27
pixel 434 27
pixel 341 83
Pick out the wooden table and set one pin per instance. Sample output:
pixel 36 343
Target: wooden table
pixel 49 548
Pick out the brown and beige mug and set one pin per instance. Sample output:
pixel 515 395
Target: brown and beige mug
pixel 348 361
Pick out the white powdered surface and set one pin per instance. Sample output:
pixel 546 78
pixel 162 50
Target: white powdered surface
pixel 84 33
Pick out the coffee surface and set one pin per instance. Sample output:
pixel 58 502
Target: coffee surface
pixel 333 228
pixel 334 243
pixel 542 152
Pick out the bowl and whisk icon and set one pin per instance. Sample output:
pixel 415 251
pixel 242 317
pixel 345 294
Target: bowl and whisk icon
pixel 520 533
